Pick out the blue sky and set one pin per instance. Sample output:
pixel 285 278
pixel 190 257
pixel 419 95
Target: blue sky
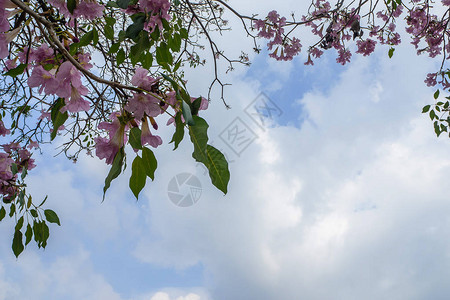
pixel 341 196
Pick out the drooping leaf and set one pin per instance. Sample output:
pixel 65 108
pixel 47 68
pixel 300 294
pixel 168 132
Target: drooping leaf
pixel 19 224
pixel 391 52
pixel 187 114
pixel 28 234
pixel 135 138
pixel 179 131
pixel 51 216
pixel 199 138
pixel 58 118
pixel 149 162
pixel 115 170
pixel 196 106
pixel 138 176
pixel 218 168
pixel 17 244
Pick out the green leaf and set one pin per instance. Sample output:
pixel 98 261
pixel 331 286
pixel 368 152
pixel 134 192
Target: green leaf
pixel 14 169
pixel 115 170
pixel 109 32
pixel 391 52
pixel 134 29
pixel 218 168
pixel 149 162
pixel 19 224
pixel 138 176
pixel 112 4
pixel 2 213
pixel 28 234
pixel 71 5
pixel 17 244
pixel 123 3
pixel 212 158
pixel 33 213
pixel 184 33
pixel 51 216
pixel 147 60
pixel 120 58
pixel 175 42
pixel 426 108
pixel 12 210
pixel 94 36
pixel 179 131
pixel 436 94
pixel 163 54
pixel 114 48
pixel 432 115
pixel 135 138
pixel 58 118
pixel 187 115
pixel 196 105
pixel 199 138
pixel 86 39
pixel 110 20
pixel 172 82
pixel 16 71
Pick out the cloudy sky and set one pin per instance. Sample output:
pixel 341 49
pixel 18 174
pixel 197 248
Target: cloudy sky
pixel 338 190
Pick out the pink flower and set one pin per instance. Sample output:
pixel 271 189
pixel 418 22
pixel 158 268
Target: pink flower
pixel 10 64
pixel 76 102
pixel 25 159
pixel 88 10
pixel 4 23
pixel 33 144
pixel 142 80
pixel 366 47
pixel 84 60
pixel 344 56
pixel 43 54
pixel 3 130
pixel 44 79
pixel 67 77
pixel 431 79
pixel 5 167
pixel 143 103
pixel 4 51
pixel 108 148
pixel 147 137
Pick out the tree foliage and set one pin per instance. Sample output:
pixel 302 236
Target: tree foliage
pixel 100 74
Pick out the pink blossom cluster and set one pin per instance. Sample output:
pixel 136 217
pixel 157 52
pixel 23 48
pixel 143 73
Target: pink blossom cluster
pixel 436 78
pixel 272 28
pixel 427 27
pixel 13 153
pixel 63 81
pixel 156 11
pixel 88 9
pixel 140 110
